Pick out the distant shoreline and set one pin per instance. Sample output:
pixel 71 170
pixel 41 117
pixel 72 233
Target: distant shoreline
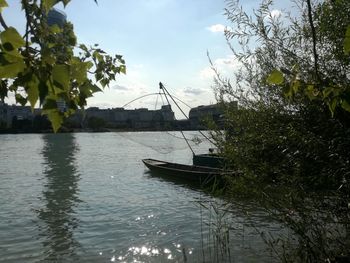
pixel 101 130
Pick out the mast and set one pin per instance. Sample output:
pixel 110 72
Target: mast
pixel 165 91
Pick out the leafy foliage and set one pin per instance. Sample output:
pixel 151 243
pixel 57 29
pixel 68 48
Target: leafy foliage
pixel 347 41
pixel 329 81
pixel 291 133
pixel 47 65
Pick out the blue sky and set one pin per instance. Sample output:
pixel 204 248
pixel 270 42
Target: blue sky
pixel 161 40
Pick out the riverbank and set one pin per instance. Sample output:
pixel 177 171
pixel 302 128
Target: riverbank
pixel 88 130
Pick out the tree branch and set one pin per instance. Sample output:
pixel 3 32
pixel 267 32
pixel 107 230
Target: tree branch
pixel 2 22
pixel 25 4
pixel 313 32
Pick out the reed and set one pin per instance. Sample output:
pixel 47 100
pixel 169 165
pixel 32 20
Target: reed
pixel 215 231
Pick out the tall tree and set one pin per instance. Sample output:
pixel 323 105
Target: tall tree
pixel 291 133
pixel 47 65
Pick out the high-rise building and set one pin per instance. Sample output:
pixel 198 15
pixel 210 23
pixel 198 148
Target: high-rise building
pixel 59 18
pixel 56 17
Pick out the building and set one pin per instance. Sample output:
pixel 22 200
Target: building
pixel 56 17
pixel 22 118
pixel 3 115
pixel 61 105
pixel 12 115
pixel 137 119
pixel 198 116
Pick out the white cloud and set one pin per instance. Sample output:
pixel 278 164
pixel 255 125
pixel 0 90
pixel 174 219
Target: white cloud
pixel 275 14
pixel 123 90
pixel 202 94
pixel 10 98
pixel 217 28
pixel 119 87
pixel 207 73
pixel 101 105
pixel 230 61
pixel 225 66
pixel 193 91
pixel 137 83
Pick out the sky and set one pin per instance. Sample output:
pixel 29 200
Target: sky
pixel 161 41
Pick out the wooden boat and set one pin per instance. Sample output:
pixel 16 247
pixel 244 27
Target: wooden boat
pixel 201 174
pixel 209 159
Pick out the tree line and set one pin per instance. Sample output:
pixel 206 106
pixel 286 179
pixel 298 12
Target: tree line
pixel 291 133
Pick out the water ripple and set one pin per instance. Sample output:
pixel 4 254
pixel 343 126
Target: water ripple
pixel 88 198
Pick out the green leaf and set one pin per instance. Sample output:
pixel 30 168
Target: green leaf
pixel 296 68
pixel 296 86
pixel 65 2
pixel 72 39
pixel 13 88
pixel 61 76
pixel 55 29
pixel 85 90
pixel 56 119
pixel 13 57
pixel 48 59
pixel 288 91
pixel 11 70
pixel 33 91
pixel 88 89
pixel 47 56
pixel 48 4
pixel 98 56
pixel 332 105
pixel 327 91
pixel 3 89
pixel 95 88
pixel 275 77
pixel 345 105
pixel 310 92
pixel 123 69
pixel 79 71
pixel 51 45
pixel 10 35
pixel 20 99
pixel 104 82
pixel 3 4
pixel 98 75
pixel 7 47
pixel 43 91
pixel 83 47
pixel 49 104
pixel 58 91
pixel 89 65
pixel 347 41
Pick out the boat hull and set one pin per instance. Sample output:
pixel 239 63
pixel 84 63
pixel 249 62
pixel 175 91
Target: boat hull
pixel 189 172
pixel 209 159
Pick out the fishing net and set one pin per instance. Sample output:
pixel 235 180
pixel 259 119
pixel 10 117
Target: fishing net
pixel 167 141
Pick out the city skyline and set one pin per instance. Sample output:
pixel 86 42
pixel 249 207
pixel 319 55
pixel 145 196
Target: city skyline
pixel 163 41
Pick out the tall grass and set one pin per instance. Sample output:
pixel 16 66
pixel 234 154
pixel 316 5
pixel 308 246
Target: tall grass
pixel 232 234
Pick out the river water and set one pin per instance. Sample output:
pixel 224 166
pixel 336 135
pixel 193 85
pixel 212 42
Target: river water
pixel 87 197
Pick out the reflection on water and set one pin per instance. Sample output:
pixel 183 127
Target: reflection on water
pixel 178 181
pixel 89 198
pixel 60 197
